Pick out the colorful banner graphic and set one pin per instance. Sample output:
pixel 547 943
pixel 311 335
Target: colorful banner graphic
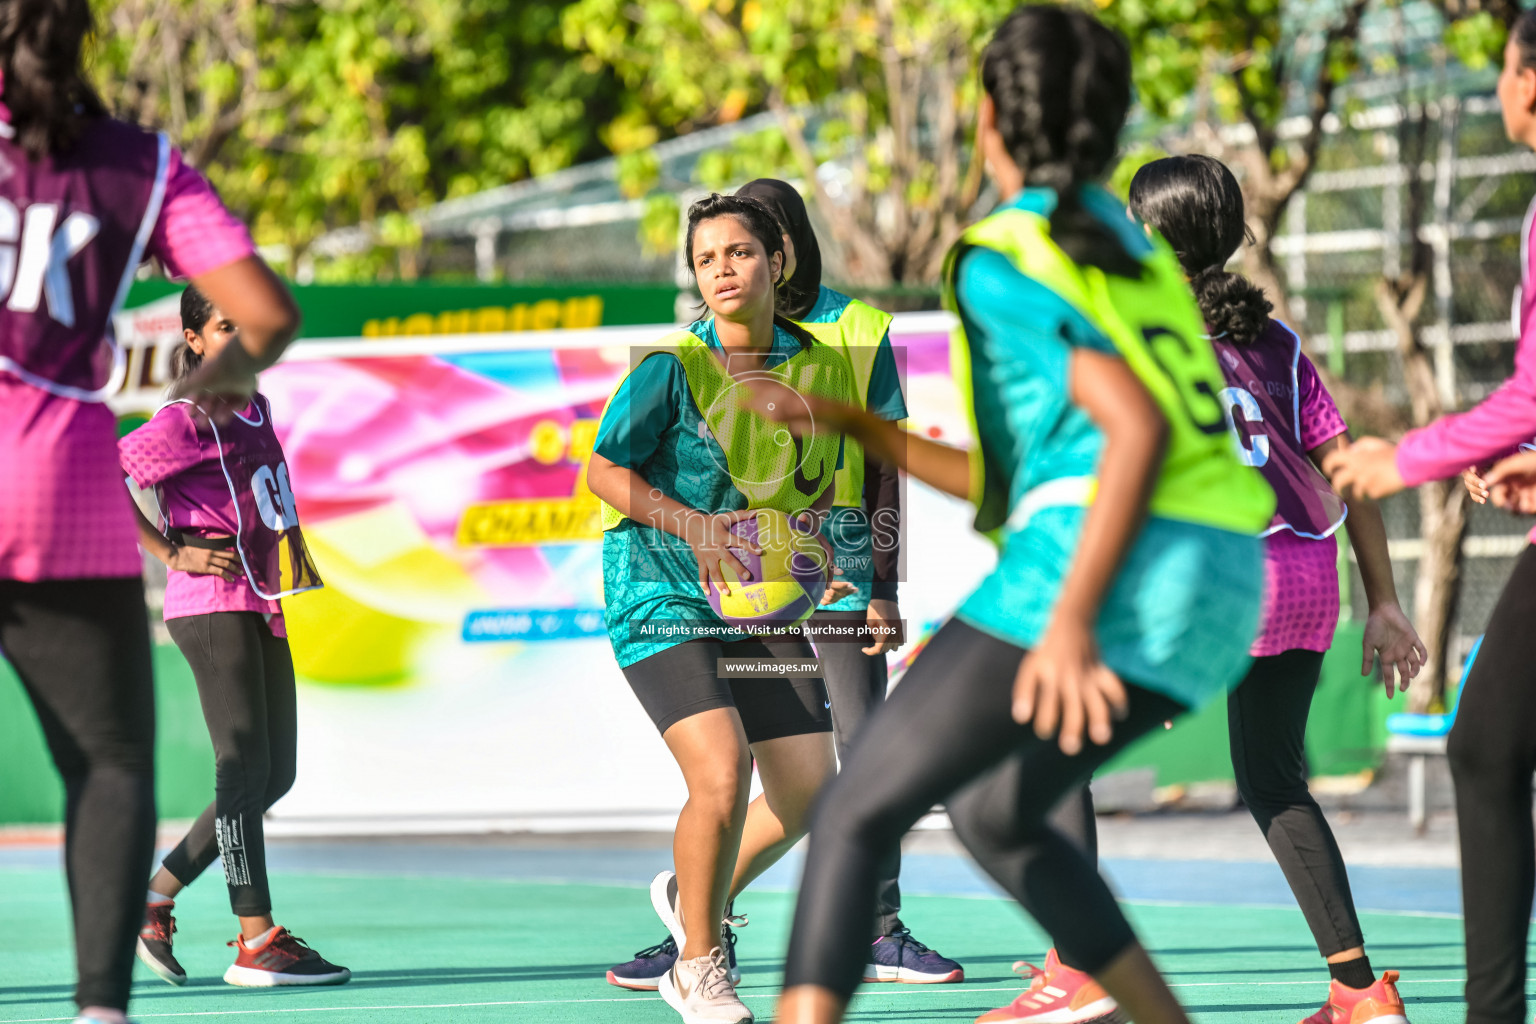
pixel 455 673
pixel 445 494
pixel 150 325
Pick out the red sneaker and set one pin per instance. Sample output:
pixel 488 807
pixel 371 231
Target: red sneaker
pixel 1379 1004
pixel 154 947
pixel 282 960
pixel 1057 995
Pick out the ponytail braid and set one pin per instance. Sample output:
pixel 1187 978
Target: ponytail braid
pixel 1060 82
pixel 1196 204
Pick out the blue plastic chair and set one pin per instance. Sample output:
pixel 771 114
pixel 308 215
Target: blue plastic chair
pixel 1420 736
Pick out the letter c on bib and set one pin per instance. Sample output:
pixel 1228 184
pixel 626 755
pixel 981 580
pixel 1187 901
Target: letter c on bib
pixel 1253 449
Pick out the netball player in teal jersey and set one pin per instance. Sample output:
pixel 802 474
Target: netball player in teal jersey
pixel 865 530
pixel 866 502
pixel 676 467
pixel 1129 579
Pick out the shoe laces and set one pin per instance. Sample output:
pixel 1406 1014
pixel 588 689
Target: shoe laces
pixel 1030 973
pixel 733 919
pixel 903 936
pixel 284 942
pixel 159 923
pixel 713 981
pixel 293 945
pixel 728 939
pixel 667 945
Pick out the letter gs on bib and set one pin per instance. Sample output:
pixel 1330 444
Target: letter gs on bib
pixel 274 498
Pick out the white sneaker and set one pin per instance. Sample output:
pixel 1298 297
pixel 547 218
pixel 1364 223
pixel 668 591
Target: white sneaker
pixel 701 993
pixel 668 905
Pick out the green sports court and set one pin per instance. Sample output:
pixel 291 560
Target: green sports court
pixel 523 929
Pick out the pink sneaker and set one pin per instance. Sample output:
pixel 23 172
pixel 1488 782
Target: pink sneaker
pixel 1056 995
pixel 1379 1004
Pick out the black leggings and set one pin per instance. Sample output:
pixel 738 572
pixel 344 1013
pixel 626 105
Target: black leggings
pixel 856 684
pixel 245 681
pixel 81 648
pixel 1267 726
pixel 1493 754
pixel 947 733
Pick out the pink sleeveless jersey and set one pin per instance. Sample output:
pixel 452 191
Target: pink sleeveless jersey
pixel 1279 411
pixel 224 480
pixel 73 229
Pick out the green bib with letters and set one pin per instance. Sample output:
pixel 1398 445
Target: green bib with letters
pixel 771 467
pixel 857 333
pixel 1156 327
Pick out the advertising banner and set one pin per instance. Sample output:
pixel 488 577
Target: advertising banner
pixel 455 670
pixel 150 324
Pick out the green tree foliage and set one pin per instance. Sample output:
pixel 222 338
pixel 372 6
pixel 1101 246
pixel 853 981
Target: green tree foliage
pixel 313 115
pixel 886 89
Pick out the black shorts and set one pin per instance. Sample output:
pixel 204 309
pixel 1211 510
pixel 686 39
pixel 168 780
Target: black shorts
pixel 682 681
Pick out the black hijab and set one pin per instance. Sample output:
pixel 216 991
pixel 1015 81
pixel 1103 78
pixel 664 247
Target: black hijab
pixel 799 294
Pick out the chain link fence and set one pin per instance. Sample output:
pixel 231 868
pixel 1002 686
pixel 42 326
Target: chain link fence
pixel 1341 237
pixel 1348 231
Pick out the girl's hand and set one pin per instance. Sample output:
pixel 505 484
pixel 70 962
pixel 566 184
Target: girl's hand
pixel 885 617
pixel 1512 483
pixel 711 539
pixel 220 408
pixel 204 562
pixel 1366 468
pixel 836 589
pixel 231 375
pixel 1062 686
pixel 1477 487
pixel 1388 633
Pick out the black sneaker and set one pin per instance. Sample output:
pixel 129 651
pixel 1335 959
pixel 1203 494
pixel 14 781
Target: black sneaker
pixel 284 959
pixel 643 973
pixel 154 946
pixel 728 941
pixel 900 957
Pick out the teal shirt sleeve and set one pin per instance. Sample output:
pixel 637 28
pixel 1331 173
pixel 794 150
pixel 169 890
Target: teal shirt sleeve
pixel 1014 311
pixel 647 402
pixel 885 398
pixel 1021 336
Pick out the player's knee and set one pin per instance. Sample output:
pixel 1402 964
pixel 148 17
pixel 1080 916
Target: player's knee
pixel 279 782
pixel 971 824
pixel 117 749
pixel 722 790
pixel 243 771
pixel 1267 796
pixel 793 809
pixel 984 826
pixel 1487 756
pixel 845 811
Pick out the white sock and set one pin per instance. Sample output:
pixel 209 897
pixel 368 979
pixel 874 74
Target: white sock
pixel 260 940
pixel 159 897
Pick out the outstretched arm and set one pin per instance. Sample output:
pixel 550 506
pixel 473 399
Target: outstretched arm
pixel 1388 631
pixel 937 465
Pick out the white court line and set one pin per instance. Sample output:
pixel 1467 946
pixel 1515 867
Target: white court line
pixel 1437 914
pixel 910 990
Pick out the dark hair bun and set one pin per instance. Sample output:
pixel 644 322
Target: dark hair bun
pixel 1233 306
